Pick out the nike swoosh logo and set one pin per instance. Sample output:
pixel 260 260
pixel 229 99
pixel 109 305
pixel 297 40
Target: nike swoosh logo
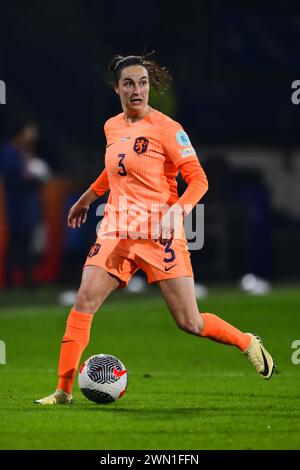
pixel 68 341
pixel 266 369
pixel 168 269
pixel 119 373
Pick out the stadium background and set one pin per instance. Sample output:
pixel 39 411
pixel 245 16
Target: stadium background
pixel 233 65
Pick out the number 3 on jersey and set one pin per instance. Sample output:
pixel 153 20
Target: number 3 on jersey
pixel 121 165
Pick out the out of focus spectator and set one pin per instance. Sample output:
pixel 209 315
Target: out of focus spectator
pixel 23 174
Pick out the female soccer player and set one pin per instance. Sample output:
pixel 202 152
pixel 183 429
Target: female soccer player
pixel 143 223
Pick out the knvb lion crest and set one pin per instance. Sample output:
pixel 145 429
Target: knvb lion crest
pixel 94 250
pixel 140 145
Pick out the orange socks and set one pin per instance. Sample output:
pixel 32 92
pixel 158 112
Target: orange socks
pixel 77 337
pixel 219 330
pixel 74 342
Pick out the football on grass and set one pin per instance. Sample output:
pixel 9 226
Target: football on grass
pixel 102 378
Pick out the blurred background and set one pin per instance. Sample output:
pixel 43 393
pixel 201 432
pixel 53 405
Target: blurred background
pixel 233 65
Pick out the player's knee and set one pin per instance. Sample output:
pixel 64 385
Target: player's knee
pixel 87 302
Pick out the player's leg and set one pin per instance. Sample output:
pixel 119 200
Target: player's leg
pixel 96 285
pixel 179 294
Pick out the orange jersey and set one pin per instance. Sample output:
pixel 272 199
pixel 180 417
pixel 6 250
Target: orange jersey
pixel 142 161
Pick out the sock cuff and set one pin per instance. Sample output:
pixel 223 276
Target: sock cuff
pixel 206 318
pixel 79 319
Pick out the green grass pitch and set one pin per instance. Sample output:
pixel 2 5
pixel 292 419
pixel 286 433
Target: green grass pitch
pixel 183 392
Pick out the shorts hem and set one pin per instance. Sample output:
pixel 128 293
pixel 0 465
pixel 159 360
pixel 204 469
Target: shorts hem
pixel 170 277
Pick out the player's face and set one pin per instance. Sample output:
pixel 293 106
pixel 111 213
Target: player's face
pixel 133 88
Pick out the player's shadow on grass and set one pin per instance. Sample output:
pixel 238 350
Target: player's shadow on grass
pixel 162 413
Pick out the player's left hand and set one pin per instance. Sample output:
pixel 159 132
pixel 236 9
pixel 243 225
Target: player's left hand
pixel 166 228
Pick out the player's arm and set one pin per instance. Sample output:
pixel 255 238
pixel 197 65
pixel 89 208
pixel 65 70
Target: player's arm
pixel 78 212
pixel 180 151
pixel 197 185
pixel 101 185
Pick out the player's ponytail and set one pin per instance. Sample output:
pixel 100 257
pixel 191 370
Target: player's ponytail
pixel 159 77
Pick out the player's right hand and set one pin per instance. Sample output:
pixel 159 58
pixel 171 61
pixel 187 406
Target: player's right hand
pixel 77 215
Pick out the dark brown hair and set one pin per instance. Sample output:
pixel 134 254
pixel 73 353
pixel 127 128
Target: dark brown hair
pixel 159 77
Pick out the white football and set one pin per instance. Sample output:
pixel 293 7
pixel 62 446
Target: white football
pixel 102 378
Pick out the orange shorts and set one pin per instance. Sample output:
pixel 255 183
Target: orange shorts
pixel 123 257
